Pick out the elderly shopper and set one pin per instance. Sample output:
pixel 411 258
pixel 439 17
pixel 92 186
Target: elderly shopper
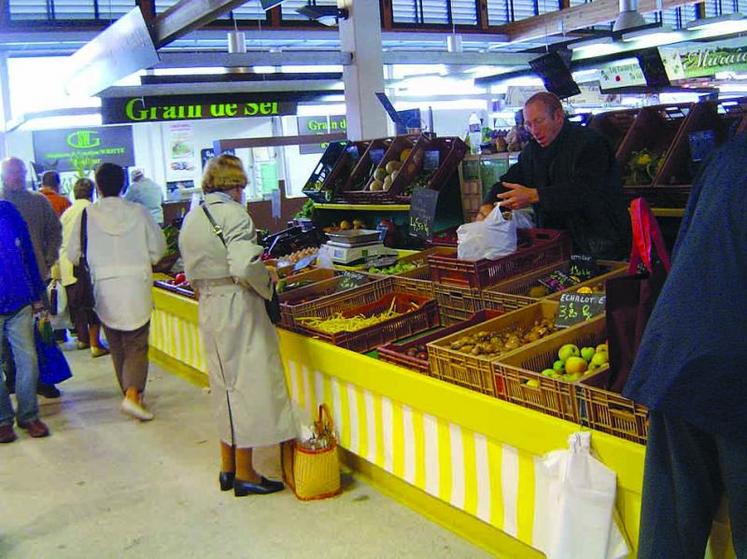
pixel 84 319
pixel 224 265
pixel 144 191
pixel 123 243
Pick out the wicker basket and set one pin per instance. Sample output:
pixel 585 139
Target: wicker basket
pixel 313 474
pixel 408 323
pixel 552 396
pixel 511 294
pixel 476 372
pixel 537 248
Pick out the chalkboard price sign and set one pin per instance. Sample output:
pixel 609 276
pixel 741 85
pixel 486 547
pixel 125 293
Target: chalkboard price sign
pixel 423 212
pixel 577 307
pixel 583 266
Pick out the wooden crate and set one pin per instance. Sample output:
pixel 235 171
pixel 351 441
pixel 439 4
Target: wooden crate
pixel 421 260
pixel 396 352
pixel 476 372
pixel 609 412
pixel 614 125
pixel 552 396
pixel 511 294
pixel 655 129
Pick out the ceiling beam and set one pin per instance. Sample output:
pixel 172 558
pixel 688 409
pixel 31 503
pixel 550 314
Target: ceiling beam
pixel 457 58
pixel 187 15
pixel 578 17
pixel 253 58
pixel 314 88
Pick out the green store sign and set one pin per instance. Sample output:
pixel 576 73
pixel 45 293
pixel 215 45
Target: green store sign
pixel 81 149
pixel 193 107
pixel 319 125
pixel 707 61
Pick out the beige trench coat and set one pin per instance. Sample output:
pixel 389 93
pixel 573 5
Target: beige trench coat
pixel 241 345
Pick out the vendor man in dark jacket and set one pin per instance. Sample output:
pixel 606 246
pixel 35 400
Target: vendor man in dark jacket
pixel 569 175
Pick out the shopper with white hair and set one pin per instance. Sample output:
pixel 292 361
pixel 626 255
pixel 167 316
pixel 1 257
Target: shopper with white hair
pixel 144 191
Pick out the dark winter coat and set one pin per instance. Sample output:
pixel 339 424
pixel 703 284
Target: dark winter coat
pixel 579 189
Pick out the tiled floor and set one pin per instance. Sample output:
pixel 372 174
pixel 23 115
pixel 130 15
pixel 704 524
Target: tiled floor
pixel 104 485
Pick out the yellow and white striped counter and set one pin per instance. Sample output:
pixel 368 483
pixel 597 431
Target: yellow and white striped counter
pixel 463 459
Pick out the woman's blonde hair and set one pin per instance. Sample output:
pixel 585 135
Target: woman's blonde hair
pixel 224 172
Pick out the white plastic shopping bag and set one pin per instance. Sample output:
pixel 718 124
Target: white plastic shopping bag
pixel 491 238
pixel 574 513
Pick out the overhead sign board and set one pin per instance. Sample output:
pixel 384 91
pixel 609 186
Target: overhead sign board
pixel 319 125
pixel 621 73
pixel 115 110
pixel 81 149
pixel 708 60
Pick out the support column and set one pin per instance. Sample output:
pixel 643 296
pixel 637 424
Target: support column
pixel 4 101
pixel 361 35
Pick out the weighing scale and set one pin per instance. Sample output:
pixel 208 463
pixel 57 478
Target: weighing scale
pixel 345 247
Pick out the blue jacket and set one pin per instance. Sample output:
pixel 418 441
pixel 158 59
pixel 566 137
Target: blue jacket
pixel 20 282
pixel 692 362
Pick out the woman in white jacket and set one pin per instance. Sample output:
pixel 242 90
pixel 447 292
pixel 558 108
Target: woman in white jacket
pixel 123 243
pixel 225 268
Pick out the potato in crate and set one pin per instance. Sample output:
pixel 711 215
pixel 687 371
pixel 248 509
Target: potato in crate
pixel 542 377
pixel 413 354
pixel 465 358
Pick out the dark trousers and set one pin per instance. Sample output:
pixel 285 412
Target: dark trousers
pixel 82 317
pixel 687 473
pixel 129 351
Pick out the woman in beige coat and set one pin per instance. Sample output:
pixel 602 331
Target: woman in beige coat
pixel 246 376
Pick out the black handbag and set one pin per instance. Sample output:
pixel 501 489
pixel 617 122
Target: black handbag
pixel 81 270
pixel 273 305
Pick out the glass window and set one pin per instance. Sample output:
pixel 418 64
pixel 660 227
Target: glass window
pixel 498 12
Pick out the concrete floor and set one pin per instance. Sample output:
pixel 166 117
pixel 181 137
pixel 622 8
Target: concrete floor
pixel 104 485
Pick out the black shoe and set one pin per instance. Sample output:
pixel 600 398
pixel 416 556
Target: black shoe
pixel 226 480
pixel 264 487
pixel 47 390
pixel 11 387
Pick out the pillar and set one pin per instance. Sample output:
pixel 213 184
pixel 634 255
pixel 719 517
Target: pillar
pixel 361 35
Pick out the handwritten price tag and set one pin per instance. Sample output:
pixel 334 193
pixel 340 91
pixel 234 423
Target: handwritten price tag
pixel 577 307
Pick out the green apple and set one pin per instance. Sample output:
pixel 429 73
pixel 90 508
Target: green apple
pixel 568 350
pixel 575 365
pixel 600 358
pixel 533 383
pixel 587 353
pixel 548 372
pixel 602 347
pixel 573 378
pixel 558 365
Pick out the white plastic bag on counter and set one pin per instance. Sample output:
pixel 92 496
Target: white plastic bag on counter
pixel 491 238
pixel 574 513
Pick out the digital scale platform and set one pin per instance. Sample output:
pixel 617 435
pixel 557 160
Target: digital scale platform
pixel 350 246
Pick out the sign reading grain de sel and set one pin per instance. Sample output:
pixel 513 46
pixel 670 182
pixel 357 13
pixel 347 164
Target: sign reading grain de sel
pixel 193 107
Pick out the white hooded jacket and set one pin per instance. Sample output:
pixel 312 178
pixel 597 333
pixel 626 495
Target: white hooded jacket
pixel 124 241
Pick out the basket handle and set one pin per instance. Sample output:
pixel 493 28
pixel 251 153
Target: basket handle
pixel 325 421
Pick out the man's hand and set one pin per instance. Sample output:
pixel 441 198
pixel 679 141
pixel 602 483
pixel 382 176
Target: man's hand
pixel 518 196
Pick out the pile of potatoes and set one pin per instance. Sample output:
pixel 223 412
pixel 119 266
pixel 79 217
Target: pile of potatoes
pixel 492 344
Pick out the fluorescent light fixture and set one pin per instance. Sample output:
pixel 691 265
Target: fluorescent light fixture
pixel 645 32
pixel 702 23
pixel 592 41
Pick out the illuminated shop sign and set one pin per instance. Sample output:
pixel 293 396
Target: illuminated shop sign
pixel 192 107
pixel 81 149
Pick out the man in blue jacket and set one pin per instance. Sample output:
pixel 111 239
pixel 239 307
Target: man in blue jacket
pixel 21 291
pixel 691 371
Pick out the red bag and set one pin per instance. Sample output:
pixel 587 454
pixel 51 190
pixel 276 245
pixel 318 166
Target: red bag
pixel 631 299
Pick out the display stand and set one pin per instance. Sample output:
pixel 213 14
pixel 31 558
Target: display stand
pixel 463 459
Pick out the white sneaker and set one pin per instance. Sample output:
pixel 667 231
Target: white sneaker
pixel 135 410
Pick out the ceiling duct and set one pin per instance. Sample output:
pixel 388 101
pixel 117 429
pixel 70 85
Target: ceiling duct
pixel 629 16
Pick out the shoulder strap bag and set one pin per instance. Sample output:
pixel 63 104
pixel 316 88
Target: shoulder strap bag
pixel 272 306
pixel 81 270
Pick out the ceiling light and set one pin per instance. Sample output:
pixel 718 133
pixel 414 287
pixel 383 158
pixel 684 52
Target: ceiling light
pixel 629 16
pixel 326 15
pixel 591 41
pixel 710 21
pixel 646 31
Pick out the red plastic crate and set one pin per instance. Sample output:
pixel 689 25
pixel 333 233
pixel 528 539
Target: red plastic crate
pixel 537 248
pixel 411 322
